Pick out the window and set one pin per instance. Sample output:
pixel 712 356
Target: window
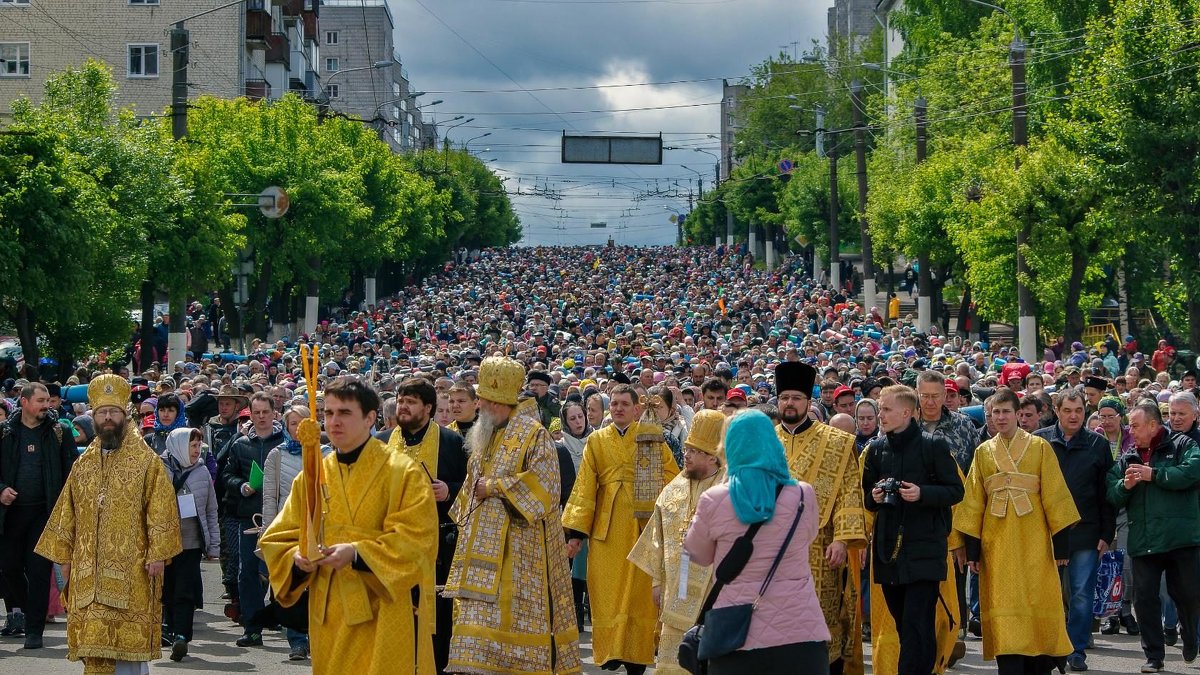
pixel 143 60
pixel 331 90
pixel 331 37
pixel 14 59
pixel 143 2
pixel 331 65
pixel 14 2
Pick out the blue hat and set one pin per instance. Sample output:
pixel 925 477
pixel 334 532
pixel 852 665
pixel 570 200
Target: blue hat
pixel 756 466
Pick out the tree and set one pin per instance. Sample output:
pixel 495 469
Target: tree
pixel 100 249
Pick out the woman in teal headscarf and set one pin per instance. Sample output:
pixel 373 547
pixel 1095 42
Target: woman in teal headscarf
pixel 787 629
pixel 757 466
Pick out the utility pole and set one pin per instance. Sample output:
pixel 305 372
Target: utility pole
pixel 835 258
pixel 925 275
pixel 1026 320
pixel 860 153
pixel 180 43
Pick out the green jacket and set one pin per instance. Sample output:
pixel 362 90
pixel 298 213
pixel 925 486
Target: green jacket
pixel 1164 514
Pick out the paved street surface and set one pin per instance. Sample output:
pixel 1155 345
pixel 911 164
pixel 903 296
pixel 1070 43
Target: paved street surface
pixel 213 650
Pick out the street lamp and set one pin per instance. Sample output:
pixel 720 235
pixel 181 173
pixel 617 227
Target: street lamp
pixel 378 65
pixel 397 100
pixel 467 145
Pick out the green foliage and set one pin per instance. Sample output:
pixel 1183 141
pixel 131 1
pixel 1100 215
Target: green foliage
pixel 101 186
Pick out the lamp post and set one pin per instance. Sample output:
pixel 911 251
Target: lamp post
pixel 1026 321
pixel 324 100
pixel 467 145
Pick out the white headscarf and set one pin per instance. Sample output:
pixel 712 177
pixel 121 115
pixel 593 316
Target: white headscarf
pixel 177 447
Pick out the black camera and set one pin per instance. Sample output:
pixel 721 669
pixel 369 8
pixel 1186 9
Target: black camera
pixel 891 491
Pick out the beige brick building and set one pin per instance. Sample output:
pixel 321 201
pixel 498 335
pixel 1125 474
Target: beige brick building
pixel 258 48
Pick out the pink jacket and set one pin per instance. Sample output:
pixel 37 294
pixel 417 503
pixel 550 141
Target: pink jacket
pixel 789 611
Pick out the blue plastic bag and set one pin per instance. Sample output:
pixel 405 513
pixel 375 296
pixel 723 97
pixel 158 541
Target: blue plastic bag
pixel 1110 585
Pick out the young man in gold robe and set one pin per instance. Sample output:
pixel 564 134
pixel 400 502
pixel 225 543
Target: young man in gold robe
pixel 370 597
pixel 625 466
pixel 113 530
pixel 1015 516
pixel 825 457
pixel 510 577
pixel 678 593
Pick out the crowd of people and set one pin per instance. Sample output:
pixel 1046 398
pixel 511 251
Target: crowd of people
pixel 518 450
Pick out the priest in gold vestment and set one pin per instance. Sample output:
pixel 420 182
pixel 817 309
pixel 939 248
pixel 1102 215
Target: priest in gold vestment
pixel 1015 516
pixel 370 597
pixel 113 529
pixel 824 457
pixel 659 551
pixel 510 578
pixel 625 466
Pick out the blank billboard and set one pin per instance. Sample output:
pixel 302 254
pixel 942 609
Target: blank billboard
pixel 611 149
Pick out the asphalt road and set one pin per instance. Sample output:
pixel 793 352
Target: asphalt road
pixel 214 651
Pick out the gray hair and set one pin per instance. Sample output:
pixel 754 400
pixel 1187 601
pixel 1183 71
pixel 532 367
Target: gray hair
pixel 1186 397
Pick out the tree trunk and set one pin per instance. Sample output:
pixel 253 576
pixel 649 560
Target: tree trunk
pixel 147 334
pixel 925 289
pixel 356 286
pixel 233 315
pixel 1193 310
pixel 27 333
pixel 1073 326
pixel 258 302
pixel 964 307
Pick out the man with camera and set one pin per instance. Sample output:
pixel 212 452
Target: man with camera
pixel 1159 485
pixel 910 481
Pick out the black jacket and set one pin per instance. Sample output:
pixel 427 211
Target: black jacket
pixel 243 452
pixel 919 458
pixel 451 470
pixel 58 454
pixel 1085 462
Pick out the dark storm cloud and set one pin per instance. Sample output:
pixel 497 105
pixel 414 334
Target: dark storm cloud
pixel 583 44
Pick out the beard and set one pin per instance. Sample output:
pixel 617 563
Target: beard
pixel 792 415
pixel 695 473
pixel 480 435
pixel 111 433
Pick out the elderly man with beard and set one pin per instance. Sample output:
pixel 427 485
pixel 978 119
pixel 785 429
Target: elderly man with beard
pixel 440 453
pixel 825 457
pixel 115 526
pixel 35 459
pixel 515 613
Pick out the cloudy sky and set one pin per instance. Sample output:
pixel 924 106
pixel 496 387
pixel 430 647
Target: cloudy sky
pixel 528 69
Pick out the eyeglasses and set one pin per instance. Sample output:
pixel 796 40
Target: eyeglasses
pixel 931 397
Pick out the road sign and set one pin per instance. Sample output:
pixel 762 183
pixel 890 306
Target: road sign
pixel 785 166
pixel 273 202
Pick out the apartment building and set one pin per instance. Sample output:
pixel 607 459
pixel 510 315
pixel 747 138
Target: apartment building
pixel 363 75
pixel 256 48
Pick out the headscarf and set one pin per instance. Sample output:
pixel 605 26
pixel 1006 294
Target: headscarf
pixel 180 419
pixel 177 448
pixel 290 444
pixel 756 466
pixel 573 443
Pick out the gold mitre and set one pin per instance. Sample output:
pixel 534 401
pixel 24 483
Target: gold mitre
pixel 500 380
pixel 108 390
pixel 708 428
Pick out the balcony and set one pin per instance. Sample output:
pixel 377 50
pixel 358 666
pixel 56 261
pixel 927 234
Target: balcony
pixel 277 48
pixel 258 25
pixel 257 90
pixel 293 7
pixel 310 26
